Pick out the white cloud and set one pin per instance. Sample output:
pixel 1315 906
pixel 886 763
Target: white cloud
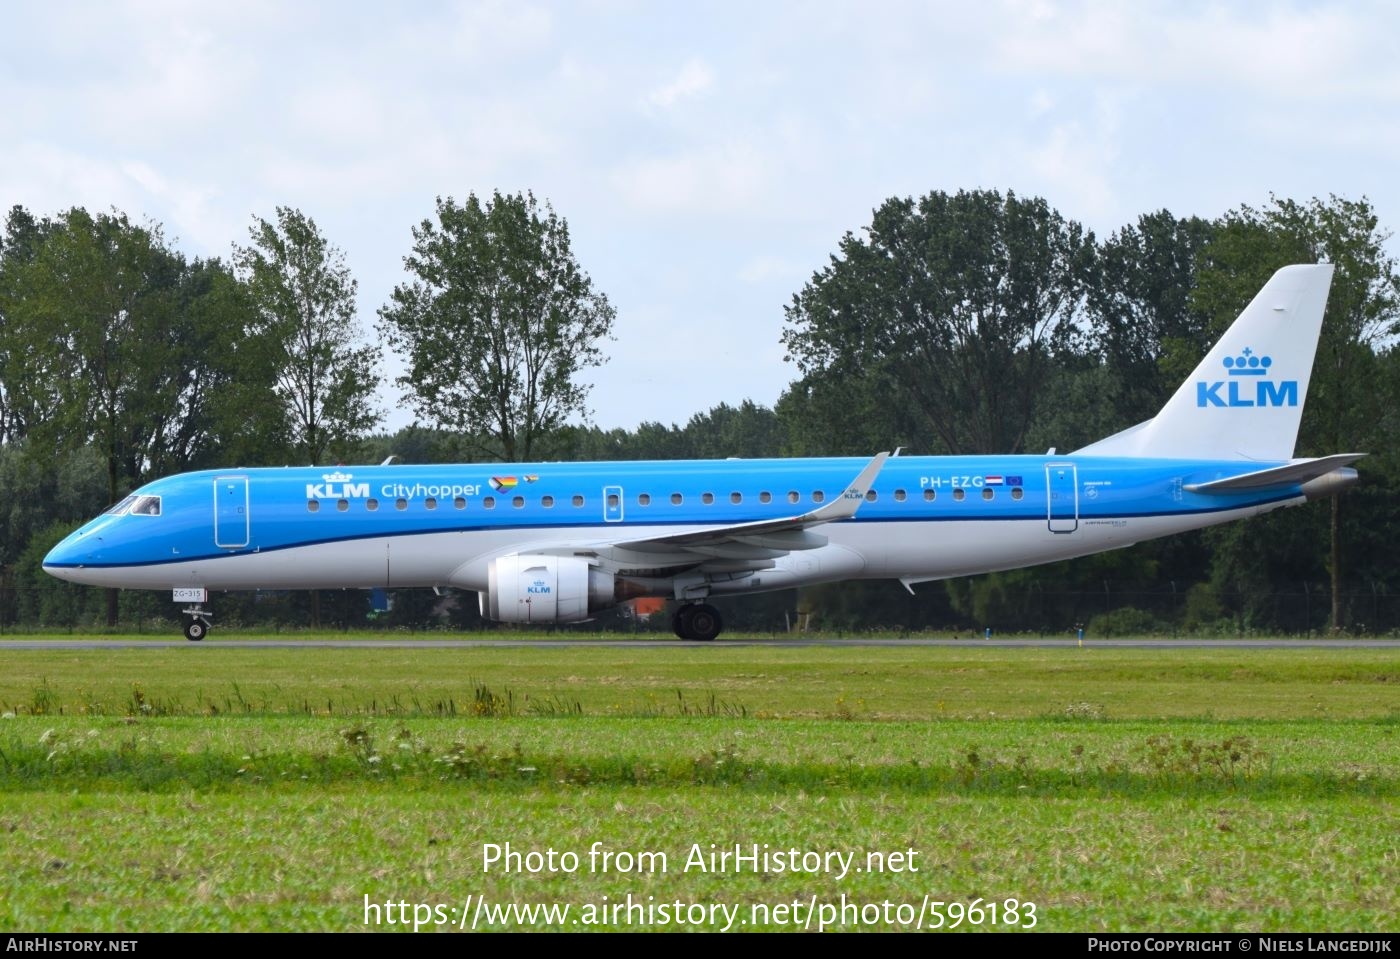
pixel 694 78
pixel 706 160
pixel 766 267
pixel 494 30
pixel 719 180
pixel 48 179
pixel 1274 49
pixel 1072 167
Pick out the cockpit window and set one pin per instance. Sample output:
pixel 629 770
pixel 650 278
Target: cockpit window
pixel 122 507
pixel 146 506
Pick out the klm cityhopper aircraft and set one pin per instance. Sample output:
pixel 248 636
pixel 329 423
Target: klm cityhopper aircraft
pixel 557 542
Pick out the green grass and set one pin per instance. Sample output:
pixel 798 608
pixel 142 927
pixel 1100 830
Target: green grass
pixel 219 787
pixel 916 683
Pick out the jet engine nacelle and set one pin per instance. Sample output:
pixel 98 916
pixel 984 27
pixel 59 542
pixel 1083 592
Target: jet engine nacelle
pixel 545 589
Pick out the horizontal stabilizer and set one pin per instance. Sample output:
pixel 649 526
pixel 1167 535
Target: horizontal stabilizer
pixel 1290 474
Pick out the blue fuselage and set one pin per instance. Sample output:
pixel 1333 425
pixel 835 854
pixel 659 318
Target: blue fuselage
pixel 219 529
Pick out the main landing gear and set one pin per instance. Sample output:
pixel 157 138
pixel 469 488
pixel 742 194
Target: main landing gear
pixel 698 621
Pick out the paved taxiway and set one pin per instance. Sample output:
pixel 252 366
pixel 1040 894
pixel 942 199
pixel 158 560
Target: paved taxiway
pixel 293 643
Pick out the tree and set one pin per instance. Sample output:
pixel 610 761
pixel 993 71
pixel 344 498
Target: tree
pixel 19 245
pixel 91 326
pixel 498 323
pixel 748 431
pixel 831 413
pixel 960 303
pixel 1145 330
pixel 97 345
pixel 305 300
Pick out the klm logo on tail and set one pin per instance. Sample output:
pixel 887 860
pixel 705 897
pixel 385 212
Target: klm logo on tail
pixel 1248 384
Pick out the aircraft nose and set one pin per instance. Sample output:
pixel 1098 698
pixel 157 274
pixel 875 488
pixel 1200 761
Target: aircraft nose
pixel 67 557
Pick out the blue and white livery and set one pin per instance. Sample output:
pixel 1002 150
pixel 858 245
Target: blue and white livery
pixel 558 542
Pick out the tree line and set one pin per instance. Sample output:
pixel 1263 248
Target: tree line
pixel 971 322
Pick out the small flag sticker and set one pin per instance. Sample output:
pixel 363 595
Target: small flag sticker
pixel 993 480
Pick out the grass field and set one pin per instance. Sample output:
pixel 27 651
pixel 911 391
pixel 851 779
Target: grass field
pixel 219 787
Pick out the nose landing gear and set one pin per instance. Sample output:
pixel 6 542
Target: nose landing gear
pixel 196 627
pixel 196 616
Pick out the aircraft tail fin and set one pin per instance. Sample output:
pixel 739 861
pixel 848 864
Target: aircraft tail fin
pixel 1245 399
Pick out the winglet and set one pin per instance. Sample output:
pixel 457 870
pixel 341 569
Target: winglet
pixel 845 506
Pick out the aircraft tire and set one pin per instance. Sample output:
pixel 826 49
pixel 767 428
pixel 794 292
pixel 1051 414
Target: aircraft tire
pixel 703 623
pixel 196 629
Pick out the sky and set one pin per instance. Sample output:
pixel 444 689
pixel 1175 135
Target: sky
pixel 707 156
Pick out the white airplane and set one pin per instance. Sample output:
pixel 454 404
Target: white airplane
pixel 558 542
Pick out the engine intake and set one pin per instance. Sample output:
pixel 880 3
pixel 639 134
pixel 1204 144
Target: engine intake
pixel 545 589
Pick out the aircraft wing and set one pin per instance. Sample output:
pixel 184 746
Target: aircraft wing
pixel 765 539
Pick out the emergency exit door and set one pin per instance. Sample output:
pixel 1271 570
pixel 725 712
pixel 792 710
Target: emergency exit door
pixel 231 511
pixel 1062 488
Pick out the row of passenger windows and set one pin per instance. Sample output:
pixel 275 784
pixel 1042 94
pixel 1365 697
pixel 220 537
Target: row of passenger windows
pixel 644 499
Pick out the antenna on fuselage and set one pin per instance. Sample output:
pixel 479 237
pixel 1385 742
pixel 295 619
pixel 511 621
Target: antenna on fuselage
pixel 389 459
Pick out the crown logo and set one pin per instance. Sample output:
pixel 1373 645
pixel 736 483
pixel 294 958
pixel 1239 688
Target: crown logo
pixel 336 477
pixel 1248 364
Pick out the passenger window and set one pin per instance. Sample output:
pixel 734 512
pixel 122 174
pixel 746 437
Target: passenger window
pixel 988 493
pixel 677 499
pixel 765 497
pixel 793 496
pixel 929 496
pixel 707 498
pixel 1017 492
pixel 342 505
pixel 736 497
pixel 312 505
pixel 430 502
pixel 899 496
pixel 371 504
pixel 460 502
pixel 613 501
pixel 400 503
pixel 517 501
pixel 644 499
pixel 488 502
pixel 547 502
pixel 577 500
pixel 818 496
pixel 959 494
pixel 871 496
